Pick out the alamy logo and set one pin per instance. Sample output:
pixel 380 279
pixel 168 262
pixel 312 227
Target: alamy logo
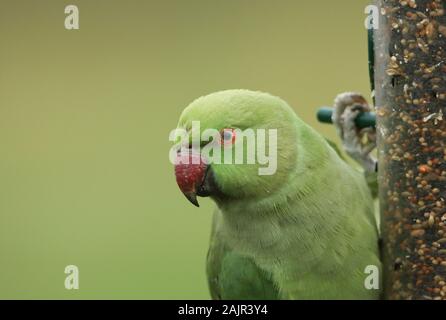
pixel 227 146
pixel 72 19
pixel 72 280
pixel 371 282
pixel 372 20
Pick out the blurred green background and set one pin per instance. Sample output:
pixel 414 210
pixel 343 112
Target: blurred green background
pixel 85 117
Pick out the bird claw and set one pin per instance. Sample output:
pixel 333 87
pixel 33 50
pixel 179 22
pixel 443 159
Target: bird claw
pixel 357 143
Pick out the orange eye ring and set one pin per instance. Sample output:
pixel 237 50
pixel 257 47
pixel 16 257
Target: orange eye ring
pixel 228 136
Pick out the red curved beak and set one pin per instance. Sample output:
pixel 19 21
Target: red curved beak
pixel 190 173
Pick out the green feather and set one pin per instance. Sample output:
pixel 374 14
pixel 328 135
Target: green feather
pixel 306 232
pixel 232 276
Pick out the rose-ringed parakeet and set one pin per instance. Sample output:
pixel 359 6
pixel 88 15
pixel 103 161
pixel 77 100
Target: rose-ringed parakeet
pixel 308 231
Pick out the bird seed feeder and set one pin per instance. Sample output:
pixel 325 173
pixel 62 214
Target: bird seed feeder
pixel 410 98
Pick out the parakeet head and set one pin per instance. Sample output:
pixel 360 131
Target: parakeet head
pixel 235 144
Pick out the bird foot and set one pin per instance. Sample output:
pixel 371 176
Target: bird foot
pixel 357 143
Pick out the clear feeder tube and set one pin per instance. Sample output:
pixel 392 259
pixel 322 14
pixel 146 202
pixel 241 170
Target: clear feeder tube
pixel 410 84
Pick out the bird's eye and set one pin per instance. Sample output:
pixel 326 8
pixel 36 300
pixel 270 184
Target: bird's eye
pixel 228 136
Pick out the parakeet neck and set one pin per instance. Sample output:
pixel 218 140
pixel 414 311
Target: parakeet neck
pixel 299 213
pixel 313 165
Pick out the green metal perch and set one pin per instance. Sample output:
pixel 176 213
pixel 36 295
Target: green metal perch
pixel 364 120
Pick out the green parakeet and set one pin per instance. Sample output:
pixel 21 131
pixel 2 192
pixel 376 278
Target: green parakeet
pixel 307 231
